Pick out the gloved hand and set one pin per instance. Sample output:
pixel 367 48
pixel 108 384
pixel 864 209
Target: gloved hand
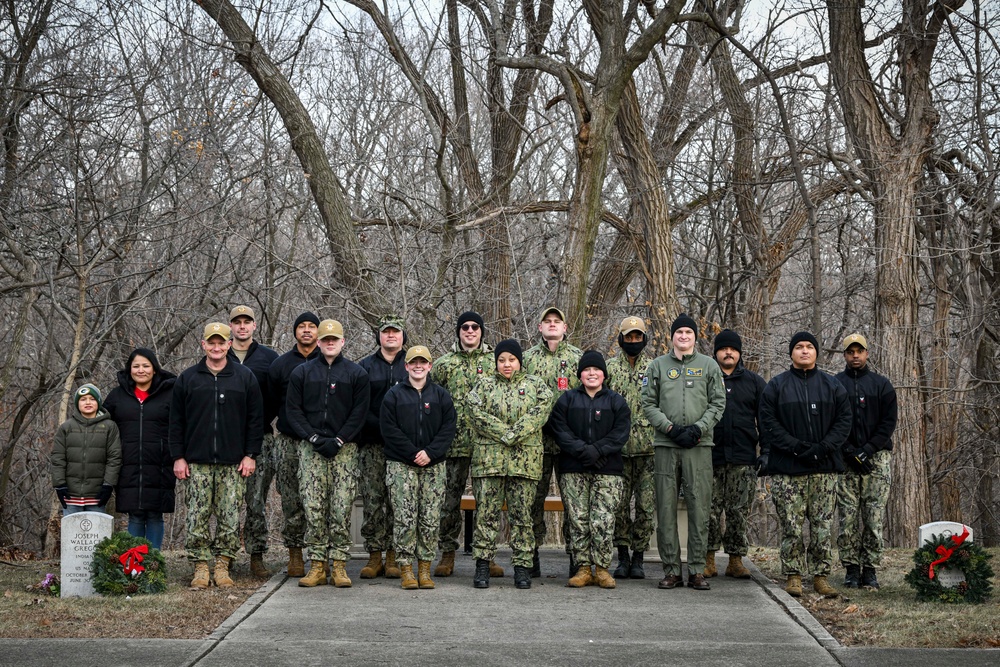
pixel 62 492
pixel 762 465
pixel 327 447
pixel 104 495
pixel 861 461
pixel 809 452
pixel 688 436
pixel 589 455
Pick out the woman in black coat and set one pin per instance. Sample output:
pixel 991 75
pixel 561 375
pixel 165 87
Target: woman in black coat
pixel 140 405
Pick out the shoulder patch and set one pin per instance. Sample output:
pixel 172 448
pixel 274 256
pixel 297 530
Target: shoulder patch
pixel 673 374
pixel 693 372
pixel 645 380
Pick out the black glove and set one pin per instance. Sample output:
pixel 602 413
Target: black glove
pixel 861 461
pixel 762 465
pixel 688 436
pixel 62 492
pixel 809 452
pixel 327 447
pixel 589 455
pixel 104 495
pixel 601 462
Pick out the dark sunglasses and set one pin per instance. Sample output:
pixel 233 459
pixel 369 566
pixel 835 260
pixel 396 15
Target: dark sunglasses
pixel 470 327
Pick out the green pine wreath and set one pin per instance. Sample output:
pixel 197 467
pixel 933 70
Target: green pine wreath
pixel 107 572
pixel 966 557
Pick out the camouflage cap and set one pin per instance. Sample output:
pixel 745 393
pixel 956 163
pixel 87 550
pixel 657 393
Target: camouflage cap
pixel 552 309
pixel 329 328
pixel 391 322
pixel 418 352
pixel 217 329
pixel 855 339
pixel 632 323
pixel 242 311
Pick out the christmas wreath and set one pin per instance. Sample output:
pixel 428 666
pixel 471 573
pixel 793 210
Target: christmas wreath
pixel 127 565
pixel 955 554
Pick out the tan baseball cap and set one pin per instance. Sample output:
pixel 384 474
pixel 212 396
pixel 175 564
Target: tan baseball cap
pixel 632 323
pixel 552 309
pixel 418 352
pixel 242 311
pixel 855 338
pixel 329 328
pixel 217 329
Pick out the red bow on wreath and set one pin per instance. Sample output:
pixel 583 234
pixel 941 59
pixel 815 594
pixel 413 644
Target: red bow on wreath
pixel 945 552
pixel 131 559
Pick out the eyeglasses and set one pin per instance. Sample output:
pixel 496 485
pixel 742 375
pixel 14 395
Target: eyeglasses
pixel 470 327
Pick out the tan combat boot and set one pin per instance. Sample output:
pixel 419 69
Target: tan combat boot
pixel 201 579
pixel 582 578
pixel 793 586
pixel 406 578
pixel 736 569
pixel 823 587
pixel 222 578
pixel 391 569
pixel 710 569
pixel 424 574
pixel 446 565
pixel 296 566
pixel 257 568
pixel 495 570
pixel 316 576
pixel 339 574
pixel 603 577
pixel 374 567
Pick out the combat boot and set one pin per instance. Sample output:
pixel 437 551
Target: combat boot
pixel 446 565
pixel 624 564
pixel 391 569
pixel 853 577
pixel 868 578
pixel 481 579
pixel 603 577
pixel 374 566
pixel 522 577
pixel 257 568
pixel 296 566
pixel 316 576
pixel 583 577
pixel 823 587
pixel 339 574
pixel 710 569
pixel 406 578
pixel 793 585
pixel 222 578
pixel 636 571
pixel 201 578
pixel 495 569
pixel 536 565
pixel 736 569
pixel 424 574
pixel 572 565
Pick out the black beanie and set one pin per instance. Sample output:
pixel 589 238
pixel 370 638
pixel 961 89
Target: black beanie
pixel 509 345
pixel 802 336
pixel 728 338
pixel 591 358
pixel 683 320
pixel 305 317
pixel 469 316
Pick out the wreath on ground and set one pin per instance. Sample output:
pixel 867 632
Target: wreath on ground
pixel 955 554
pixel 127 565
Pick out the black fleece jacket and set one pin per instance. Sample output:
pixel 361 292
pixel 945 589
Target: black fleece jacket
pixel 329 400
pixel 417 420
pixel 736 434
pixel 873 405
pixel 577 420
pixel 382 376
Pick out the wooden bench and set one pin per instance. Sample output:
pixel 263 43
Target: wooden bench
pixel 468 506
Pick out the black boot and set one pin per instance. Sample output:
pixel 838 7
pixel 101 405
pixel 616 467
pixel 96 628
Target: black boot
pixel 621 572
pixel 636 571
pixel 536 565
pixel 853 577
pixel 522 577
pixel 868 578
pixel 481 579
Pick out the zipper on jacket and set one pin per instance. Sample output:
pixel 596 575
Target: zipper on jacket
pixel 215 422
pixel 140 453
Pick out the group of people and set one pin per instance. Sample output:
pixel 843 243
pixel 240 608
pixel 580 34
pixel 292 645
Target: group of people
pixel 623 438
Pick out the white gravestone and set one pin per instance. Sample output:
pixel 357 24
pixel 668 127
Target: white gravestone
pixel 946 576
pixel 80 534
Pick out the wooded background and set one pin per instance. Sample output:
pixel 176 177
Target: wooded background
pixel 764 167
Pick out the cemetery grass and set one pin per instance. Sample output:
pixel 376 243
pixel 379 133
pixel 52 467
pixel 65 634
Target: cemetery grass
pixel 892 617
pixel 178 613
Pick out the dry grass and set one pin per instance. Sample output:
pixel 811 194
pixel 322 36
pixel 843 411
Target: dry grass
pixel 178 613
pixel 891 617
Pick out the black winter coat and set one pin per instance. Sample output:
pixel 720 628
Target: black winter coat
pixel 329 400
pixel 278 375
pixel 736 434
pixel 873 405
pixel 382 376
pixel 578 420
pixel 413 421
pixel 799 408
pixel 146 481
pixel 259 359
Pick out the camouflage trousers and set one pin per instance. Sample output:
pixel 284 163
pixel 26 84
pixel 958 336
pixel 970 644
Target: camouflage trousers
pixel 376 527
pixel 286 478
pixel 637 479
pixel 329 487
pixel 862 500
pixel 416 495
pixel 549 463
pixel 255 529
pixel 591 502
pixel 491 494
pixel 456 478
pixel 796 500
pixel 732 494
pixel 692 468
pixel 213 489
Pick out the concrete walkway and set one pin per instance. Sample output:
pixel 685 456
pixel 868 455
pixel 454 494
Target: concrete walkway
pixel 377 623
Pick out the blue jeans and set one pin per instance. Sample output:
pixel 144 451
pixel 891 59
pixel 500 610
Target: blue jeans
pixel 73 509
pixel 148 525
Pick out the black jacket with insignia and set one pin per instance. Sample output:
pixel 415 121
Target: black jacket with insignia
pixel 736 434
pixel 578 420
pixel 415 420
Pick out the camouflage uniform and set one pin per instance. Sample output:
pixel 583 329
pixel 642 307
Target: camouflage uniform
pixel 329 487
pixel 458 372
pixel 286 453
pixel 416 495
pixel 507 461
pixel 732 494
pixel 862 500
pixel 591 501
pixel 637 476
pixel 274 463
pixel 799 498
pixel 255 527
pixel 558 370
pixel 213 489
pixel 377 527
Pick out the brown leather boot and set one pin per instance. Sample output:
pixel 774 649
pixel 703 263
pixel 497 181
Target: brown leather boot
pixel 823 587
pixel 603 577
pixel 710 569
pixel 583 577
pixel 446 565
pixel 736 569
pixel 391 569
pixel 406 578
pixel 316 576
pixel 339 574
pixel 296 566
pixel 374 567
pixel 222 578
pixel 495 570
pixel 424 574
pixel 257 568
pixel 201 578
pixel 793 585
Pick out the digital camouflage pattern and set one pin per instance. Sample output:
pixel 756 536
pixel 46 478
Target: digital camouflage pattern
pixel 213 490
pixel 627 381
pixel 491 494
pixel 862 500
pixel 635 531
pixel 550 367
pixel 458 372
pixel 258 484
pixel 287 480
pixel 329 487
pixel 416 495
pixel 732 494
pixel 798 499
pixel 456 476
pixel 591 501
pixel 376 527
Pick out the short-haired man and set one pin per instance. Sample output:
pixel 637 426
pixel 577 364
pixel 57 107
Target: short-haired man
pixel 804 419
pixel 258 358
pixel 216 429
pixel 286 442
pixel 554 360
pixel 864 489
pixel 386 369
pixel 683 399
pixel 326 405
pixel 734 457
